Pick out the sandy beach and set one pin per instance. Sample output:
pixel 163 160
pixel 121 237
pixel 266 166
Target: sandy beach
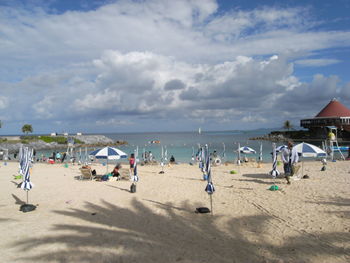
pixel 90 221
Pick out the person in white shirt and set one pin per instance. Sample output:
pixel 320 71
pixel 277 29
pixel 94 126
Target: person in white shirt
pixel 290 158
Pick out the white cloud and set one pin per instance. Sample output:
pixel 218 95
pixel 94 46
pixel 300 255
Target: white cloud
pixel 3 102
pixel 316 62
pixel 162 60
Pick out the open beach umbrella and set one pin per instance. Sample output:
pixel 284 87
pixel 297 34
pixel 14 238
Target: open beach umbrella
pixel 210 187
pixel 280 148
pixel 246 150
pixel 309 150
pixel 108 153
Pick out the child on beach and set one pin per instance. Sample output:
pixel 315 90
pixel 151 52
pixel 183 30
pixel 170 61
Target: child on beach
pixel 115 172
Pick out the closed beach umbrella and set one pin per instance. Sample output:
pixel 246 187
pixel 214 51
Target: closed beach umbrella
pixel 261 153
pixel 239 154
pixel 25 171
pixel 25 165
pixel 274 171
pixel 135 177
pixel 210 186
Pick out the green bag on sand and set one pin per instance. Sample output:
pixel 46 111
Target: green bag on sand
pixel 273 188
pixel 18 177
pixel 233 172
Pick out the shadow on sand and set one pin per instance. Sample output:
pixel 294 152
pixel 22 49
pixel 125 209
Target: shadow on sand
pixel 168 233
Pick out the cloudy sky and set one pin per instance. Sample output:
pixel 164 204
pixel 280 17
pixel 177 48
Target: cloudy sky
pixel 158 65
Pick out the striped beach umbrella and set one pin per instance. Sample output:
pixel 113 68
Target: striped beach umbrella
pixel 108 153
pixel 280 148
pixel 165 154
pixel 162 160
pixel 135 177
pixel 239 154
pixel 309 150
pixel 274 172
pixel 27 155
pixel 246 150
pixel 210 189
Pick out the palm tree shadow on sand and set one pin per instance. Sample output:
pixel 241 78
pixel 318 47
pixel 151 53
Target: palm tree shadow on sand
pixel 110 233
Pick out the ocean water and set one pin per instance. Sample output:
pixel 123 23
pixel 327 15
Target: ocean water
pixel 182 145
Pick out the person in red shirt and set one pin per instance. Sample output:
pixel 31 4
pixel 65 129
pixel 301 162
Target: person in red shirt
pixel 132 162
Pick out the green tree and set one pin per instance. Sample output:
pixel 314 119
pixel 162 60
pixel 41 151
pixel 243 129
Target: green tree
pixel 27 128
pixel 287 125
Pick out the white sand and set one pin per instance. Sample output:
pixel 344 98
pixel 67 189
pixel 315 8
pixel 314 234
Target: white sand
pixel 89 221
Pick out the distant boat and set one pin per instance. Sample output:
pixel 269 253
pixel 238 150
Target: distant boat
pixel 155 141
pixel 199 130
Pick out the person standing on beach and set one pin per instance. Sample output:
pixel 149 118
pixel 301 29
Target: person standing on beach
pixel 290 159
pixel 132 163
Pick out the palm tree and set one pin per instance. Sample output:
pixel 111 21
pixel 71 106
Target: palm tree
pixel 27 128
pixel 287 125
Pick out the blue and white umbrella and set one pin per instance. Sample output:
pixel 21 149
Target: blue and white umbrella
pixel 135 177
pixel 280 148
pixel 246 150
pixel 26 161
pixel 309 150
pixel 109 153
pixel 239 154
pixel 210 186
pixel 274 171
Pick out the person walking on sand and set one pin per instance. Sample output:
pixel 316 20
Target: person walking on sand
pixel 290 159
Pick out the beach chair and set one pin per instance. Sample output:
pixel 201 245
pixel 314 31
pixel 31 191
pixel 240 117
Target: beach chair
pixel 86 173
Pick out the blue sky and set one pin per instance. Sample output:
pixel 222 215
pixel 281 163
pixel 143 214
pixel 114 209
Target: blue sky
pixel 155 65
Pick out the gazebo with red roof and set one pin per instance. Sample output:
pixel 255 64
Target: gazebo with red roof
pixel 334 114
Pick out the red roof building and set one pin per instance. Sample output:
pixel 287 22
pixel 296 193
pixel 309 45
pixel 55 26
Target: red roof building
pixel 333 114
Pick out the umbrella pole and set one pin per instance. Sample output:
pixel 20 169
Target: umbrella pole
pixel 211 205
pixel 27 197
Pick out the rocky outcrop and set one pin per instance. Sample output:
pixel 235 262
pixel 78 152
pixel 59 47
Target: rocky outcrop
pixel 88 140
